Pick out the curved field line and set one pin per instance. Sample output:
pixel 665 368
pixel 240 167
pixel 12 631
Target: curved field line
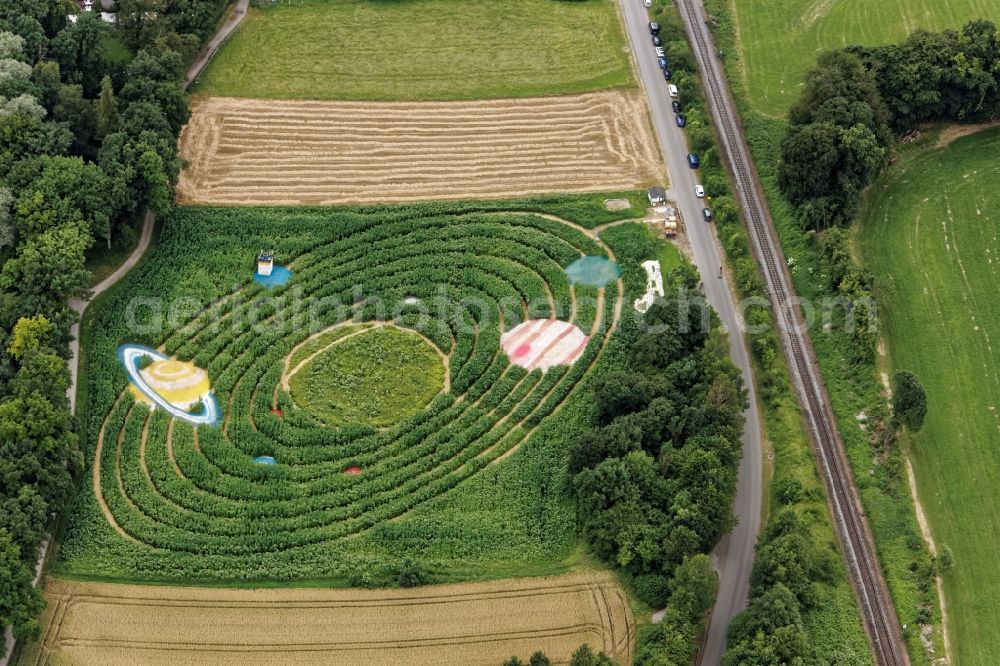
pixel 476 624
pixel 463 472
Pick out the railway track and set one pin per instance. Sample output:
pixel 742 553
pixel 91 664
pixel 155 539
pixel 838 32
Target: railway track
pixel 878 614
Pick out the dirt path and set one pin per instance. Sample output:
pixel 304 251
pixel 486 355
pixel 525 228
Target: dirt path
pixel 80 305
pixel 235 17
pixel 957 131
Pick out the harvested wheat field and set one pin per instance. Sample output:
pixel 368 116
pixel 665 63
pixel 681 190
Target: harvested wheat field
pixel 468 623
pixel 247 151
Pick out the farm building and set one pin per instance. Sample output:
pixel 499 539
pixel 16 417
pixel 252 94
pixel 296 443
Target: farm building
pixel 657 195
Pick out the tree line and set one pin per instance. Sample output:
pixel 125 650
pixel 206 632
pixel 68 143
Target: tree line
pixel 841 131
pixel 655 479
pixel 857 99
pixel 88 142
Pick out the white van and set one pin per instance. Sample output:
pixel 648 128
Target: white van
pixel 672 90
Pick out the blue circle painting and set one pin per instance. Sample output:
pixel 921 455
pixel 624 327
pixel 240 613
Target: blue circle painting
pixel 279 276
pixel 593 271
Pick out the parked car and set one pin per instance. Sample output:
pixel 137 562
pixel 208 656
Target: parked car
pixel 672 90
pixel 654 28
pixel 693 161
pixel 676 106
pixel 681 120
pixel 647 3
pixel 656 40
pixel 699 191
pixel 663 63
pixel 707 214
pixel 660 53
pixel 667 75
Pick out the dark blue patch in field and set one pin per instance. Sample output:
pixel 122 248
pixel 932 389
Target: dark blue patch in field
pixel 279 276
pixel 593 271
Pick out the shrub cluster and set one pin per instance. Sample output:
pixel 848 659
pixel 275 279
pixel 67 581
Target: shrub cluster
pixel 841 129
pixel 655 480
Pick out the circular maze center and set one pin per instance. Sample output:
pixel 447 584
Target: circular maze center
pixel 374 377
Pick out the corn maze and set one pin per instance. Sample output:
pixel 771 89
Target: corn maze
pixel 190 501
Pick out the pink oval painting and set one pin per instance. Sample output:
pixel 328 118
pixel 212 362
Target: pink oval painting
pixel 544 343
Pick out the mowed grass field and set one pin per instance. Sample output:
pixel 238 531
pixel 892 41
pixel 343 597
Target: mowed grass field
pixel 932 237
pixel 476 624
pixel 421 50
pixel 780 40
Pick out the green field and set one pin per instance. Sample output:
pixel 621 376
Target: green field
pixel 469 486
pixel 931 234
pixel 375 378
pixel 780 40
pixel 421 50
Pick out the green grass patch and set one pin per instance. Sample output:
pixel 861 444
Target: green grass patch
pixel 321 341
pixel 375 378
pixel 780 40
pixel 421 50
pixel 667 253
pixel 930 235
pixel 115 49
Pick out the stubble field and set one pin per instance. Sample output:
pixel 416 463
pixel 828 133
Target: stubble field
pixel 317 153
pixel 471 623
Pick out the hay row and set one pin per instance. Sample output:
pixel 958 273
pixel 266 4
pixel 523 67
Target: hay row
pixel 262 151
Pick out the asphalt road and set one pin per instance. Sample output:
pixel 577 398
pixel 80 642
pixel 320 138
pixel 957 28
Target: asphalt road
pixel 733 557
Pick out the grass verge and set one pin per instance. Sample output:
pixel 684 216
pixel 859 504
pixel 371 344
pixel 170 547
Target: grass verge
pixel 833 627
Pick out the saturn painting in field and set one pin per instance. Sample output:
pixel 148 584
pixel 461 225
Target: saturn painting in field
pixel 178 387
